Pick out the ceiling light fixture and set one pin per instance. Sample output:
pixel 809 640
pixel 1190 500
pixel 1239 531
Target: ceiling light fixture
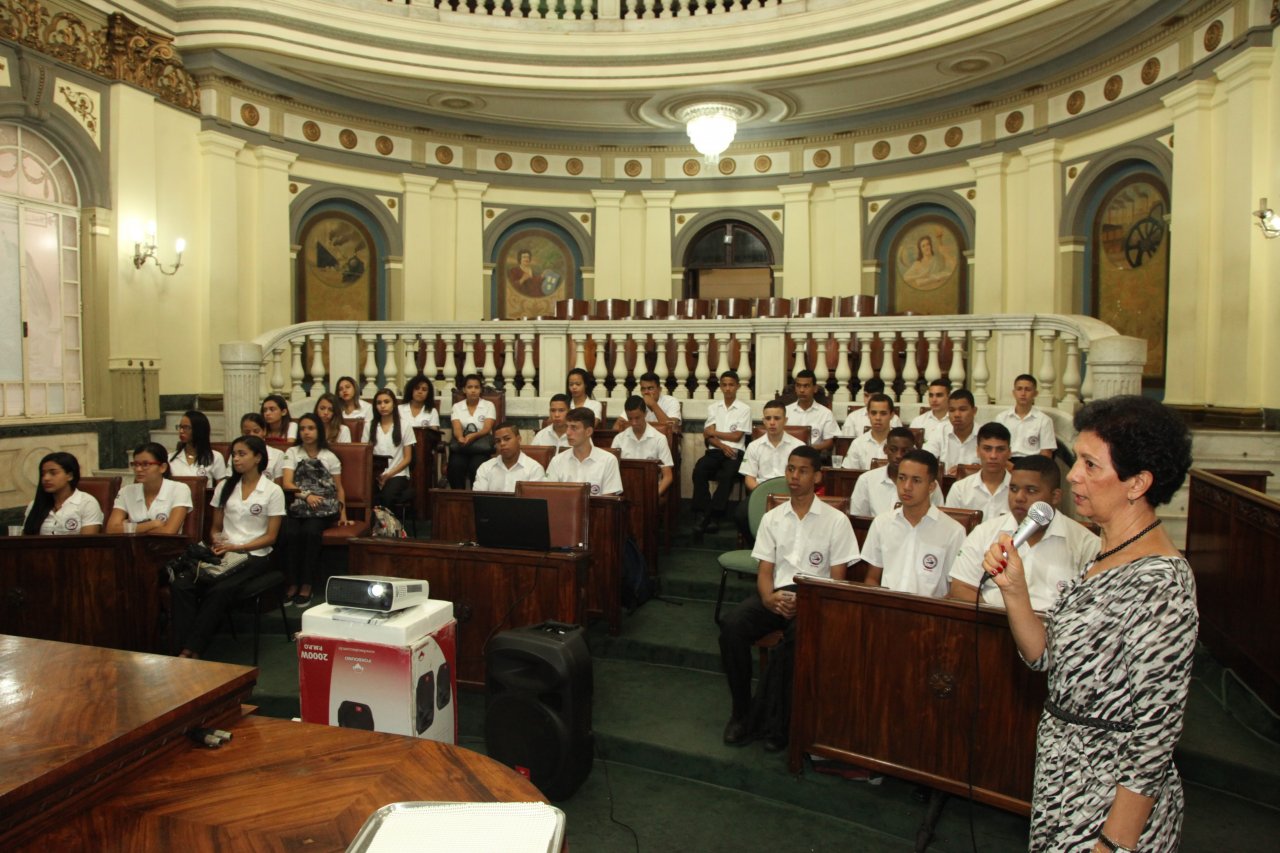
pixel 711 128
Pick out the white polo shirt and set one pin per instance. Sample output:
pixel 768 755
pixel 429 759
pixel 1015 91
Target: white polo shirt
pixel 246 520
pixel 821 423
pixel 875 492
pixel 735 418
pixel 1030 434
pixel 670 407
pixel 914 559
pixel 862 451
pixel 651 445
pixel 363 412
pixel 384 444
pixel 427 417
pixel 328 458
pixel 213 472
pixel 134 503
pixel 461 414
pixel 764 461
pixel 494 475
pixel 599 470
pixel 859 422
pixel 344 435
pixel 951 451
pixel 971 493
pixel 546 437
pixel 80 510
pixel 809 545
pixel 931 425
pixel 275 463
pixel 593 405
pixel 1057 560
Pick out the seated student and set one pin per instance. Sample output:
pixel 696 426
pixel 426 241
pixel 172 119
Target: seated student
pixel 660 406
pixel 987 489
pixel 937 418
pixel 316 472
pixel 275 411
pixel 579 386
pixel 641 441
pixel 194 456
pixel 353 408
pixel 584 462
pixel 554 434
pixel 911 548
pixel 510 466
pixel 869 446
pixel 419 405
pixel 805 411
pixel 1031 429
pixel 959 444
pixel 154 502
pixel 766 458
pixel 253 423
pixel 803 536
pixel 335 431
pixel 58 508
pixel 393 441
pixel 471 419
pixel 727 427
pixel 857 423
pixel 247 512
pixel 877 490
pixel 1053 558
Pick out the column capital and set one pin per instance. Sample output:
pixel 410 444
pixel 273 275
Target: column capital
pixel 989 166
pixel 417 183
pixel 274 158
pixel 1042 153
pixel 795 192
pixel 847 187
pixel 470 190
pixel 1252 64
pixel 1196 95
pixel 219 144
pixel 658 198
pixel 608 198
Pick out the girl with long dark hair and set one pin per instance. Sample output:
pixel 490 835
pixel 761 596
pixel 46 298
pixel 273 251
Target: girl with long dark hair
pixel 316 472
pixel 275 411
pixel 392 441
pixel 154 502
pixel 194 456
pixel 327 408
pixel 419 405
pixel 58 507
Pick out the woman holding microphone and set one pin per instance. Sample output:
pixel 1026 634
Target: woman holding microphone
pixel 1117 646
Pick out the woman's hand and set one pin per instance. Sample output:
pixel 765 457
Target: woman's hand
pixel 314 501
pixel 221 548
pixel 1004 564
pixel 343 521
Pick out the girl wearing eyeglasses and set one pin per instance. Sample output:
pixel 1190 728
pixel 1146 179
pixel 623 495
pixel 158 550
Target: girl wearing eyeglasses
pixel 194 455
pixel 58 508
pixel 154 502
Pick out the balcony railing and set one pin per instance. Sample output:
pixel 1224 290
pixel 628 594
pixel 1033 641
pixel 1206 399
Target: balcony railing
pixel 576 10
pixel 1074 358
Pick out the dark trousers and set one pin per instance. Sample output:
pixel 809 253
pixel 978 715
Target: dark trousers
pixel 397 490
pixel 302 537
pixel 714 465
pixel 464 465
pixel 742 625
pixel 199 608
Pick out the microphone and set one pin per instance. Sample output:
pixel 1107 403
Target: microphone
pixel 1038 517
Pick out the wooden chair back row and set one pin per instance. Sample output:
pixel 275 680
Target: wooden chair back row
pixel 567 511
pixel 103 489
pixel 861 305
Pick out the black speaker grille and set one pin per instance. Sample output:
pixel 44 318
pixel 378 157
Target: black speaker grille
pixel 519 731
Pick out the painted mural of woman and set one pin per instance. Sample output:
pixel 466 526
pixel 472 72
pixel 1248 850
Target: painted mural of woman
pixel 932 265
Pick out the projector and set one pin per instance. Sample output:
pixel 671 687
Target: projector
pixel 371 592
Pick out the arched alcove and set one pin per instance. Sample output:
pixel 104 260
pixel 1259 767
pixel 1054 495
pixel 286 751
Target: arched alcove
pixel 728 259
pixel 767 229
pixel 921 246
pixel 339 270
pixel 536 263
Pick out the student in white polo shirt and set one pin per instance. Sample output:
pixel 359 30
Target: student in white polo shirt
pixel 641 441
pixel 194 456
pixel 766 458
pixel 1053 558
pixel 805 536
pixel 805 411
pixel 857 423
pixel 877 490
pixel 1030 428
pixel 58 507
pixel 253 423
pixel 937 417
pixel 727 428
pixel 248 510
pixel 584 462
pixel 869 446
pixel 911 548
pixel 510 466
pixel 154 502
pixel 555 434
pixel 959 444
pixel 393 441
pixel 660 407
pixel 987 489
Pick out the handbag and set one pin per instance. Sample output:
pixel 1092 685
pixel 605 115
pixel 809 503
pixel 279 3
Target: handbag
pixel 481 446
pixel 311 477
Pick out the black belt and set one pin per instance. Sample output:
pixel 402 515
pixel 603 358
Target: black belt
pixel 1092 722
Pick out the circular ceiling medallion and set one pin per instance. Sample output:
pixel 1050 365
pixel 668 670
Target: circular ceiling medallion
pixel 293 189
pixel 347 138
pixel 880 150
pixel 573 166
pixel 1072 172
pixel 311 131
pixel 971 63
pixel 1013 121
pixel 584 218
pixel 917 143
pixel 384 145
pixel 249 114
pixel 822 158
pixel 444 155
pixel 874 206
pixel 1075 102
pixel 502 161
pixel 1213 36
pixel 971 195
pixel 1150 71
pixel 680 219
pixel 632 168
pixel 488 214
pixel 1113 87
pixel 391 203
pixel 538 164
pixel 954 137
pixel 692 167
pixel 763 163
pixel 728 166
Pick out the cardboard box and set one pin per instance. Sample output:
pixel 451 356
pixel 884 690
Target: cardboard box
pixel 385 672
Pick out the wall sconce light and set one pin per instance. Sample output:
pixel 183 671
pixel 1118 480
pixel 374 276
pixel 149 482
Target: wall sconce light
pixel 144 249
pixel 1268 220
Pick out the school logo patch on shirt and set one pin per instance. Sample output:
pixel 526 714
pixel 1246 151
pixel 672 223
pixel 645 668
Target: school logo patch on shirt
pixel 930 562
pixel 1033 440
pixel 73 523
pixel 162 516
pixel 255 509
pixel 595 488
pixel 815 558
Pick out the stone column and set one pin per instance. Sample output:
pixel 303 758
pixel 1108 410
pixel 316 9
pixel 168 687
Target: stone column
pixel 796 249
pixel 415 220
pixel 608 281
pixel 1038 253
pixel 469 290
pixel 219 297
pixel 241 364
pixel 657 244
pixel 987 283
pixel 274 271
pixel 846 250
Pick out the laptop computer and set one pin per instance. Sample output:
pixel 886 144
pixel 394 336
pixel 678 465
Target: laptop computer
pixel 506 521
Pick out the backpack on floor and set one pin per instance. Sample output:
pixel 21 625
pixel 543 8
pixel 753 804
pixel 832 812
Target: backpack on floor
pixel 637 586
pixel 386 525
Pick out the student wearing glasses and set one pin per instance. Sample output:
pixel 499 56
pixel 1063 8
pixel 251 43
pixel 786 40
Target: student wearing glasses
pixel 154 502
pixel 194 456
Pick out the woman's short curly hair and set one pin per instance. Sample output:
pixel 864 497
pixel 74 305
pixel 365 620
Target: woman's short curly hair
pixel 1143 435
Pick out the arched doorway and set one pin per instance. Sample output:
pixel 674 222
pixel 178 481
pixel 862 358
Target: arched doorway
pixel 728 259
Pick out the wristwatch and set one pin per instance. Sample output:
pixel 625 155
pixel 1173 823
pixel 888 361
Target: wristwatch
pixel 1113 846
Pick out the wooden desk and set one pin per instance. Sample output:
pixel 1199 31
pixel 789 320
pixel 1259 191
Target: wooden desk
pixel 453 520
pixel 839 482
pixel 424 470
pixel 640 486
pixel 492 589
pixel 101 590
pixel 887 681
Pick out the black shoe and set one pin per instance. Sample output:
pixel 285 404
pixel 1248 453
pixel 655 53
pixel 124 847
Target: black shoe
pixel 736 733
pixel 709 525
pixel 775 744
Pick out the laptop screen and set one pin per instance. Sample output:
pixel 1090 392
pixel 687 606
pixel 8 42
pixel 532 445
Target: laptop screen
pixel 506 521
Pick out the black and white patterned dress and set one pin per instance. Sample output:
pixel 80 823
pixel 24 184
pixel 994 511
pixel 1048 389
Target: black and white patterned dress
pixel 1119 648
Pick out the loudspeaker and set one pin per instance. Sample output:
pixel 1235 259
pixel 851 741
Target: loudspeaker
pixel 426 701
pixel 538 706
pixel 355 715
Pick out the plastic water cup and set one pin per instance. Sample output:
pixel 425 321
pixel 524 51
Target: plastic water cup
pixel 130 527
